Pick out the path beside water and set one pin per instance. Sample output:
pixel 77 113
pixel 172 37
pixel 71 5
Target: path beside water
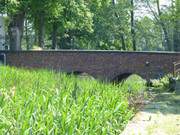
pixel 160 117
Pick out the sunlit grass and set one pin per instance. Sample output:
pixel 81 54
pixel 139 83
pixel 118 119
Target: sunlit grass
pixel 45 102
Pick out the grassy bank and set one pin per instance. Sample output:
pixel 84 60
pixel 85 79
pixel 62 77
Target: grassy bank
pixel 44 102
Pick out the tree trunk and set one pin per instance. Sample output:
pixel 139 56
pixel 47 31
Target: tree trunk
pixel 15 30
pixel 133 26
pixel 167 44
pixel 176 38
pixel 28 47
pixel 121 34
pixel 54 36
pixel 176 42
pixel 35 41
pixel 123 42
pixel 41 30
pixel 114 2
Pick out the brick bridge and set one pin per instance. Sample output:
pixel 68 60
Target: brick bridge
pixel 106 65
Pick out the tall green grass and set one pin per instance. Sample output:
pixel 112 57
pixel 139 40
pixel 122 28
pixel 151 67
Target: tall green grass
pixel 45 102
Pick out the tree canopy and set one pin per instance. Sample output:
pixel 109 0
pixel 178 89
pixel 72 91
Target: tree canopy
pixel 92 24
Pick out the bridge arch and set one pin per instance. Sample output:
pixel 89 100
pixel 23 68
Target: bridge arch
pixel 123 76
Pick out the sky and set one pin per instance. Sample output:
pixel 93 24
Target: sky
pixel 143 10
pixel 165 2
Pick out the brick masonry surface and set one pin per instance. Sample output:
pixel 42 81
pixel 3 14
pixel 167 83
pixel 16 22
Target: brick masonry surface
pixel 105 65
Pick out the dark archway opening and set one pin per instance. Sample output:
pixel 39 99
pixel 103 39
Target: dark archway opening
pixel 121 78
pixel 75 73
pixel 2 59
pixel 81 74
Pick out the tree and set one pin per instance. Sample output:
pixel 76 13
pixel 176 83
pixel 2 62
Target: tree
pixel 95 24
pixel 133 26
pixel 39 16
pixel 16 12
pixel 121 32
pixel 161 20
pixel 148 35
pixel 111 25
pixel 177 27
pixel 167 43
pixel 76 22
pixel 2 6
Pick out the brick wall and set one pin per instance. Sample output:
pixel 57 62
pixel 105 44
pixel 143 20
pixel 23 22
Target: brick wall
pixel 99 64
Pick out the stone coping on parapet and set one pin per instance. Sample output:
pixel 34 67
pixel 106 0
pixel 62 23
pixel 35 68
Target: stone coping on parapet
pixel 93 51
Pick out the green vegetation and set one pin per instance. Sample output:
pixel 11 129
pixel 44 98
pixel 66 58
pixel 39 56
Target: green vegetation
pixel 162 84
pixel 45 102
pixel 143 25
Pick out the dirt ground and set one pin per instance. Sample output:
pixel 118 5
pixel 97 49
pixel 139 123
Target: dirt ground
pixel 159 117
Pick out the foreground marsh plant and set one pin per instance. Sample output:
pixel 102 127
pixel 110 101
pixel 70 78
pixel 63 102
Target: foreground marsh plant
pixel 44 102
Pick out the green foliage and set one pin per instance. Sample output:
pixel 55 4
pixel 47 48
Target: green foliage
pixel 134 87
pixel 110 21
pixel 148 35
pixel 99 24
pixel 44 102
pixel 162 84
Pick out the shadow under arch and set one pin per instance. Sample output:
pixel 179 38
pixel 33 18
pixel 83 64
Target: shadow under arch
pixel 81 74
pixel 121 78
